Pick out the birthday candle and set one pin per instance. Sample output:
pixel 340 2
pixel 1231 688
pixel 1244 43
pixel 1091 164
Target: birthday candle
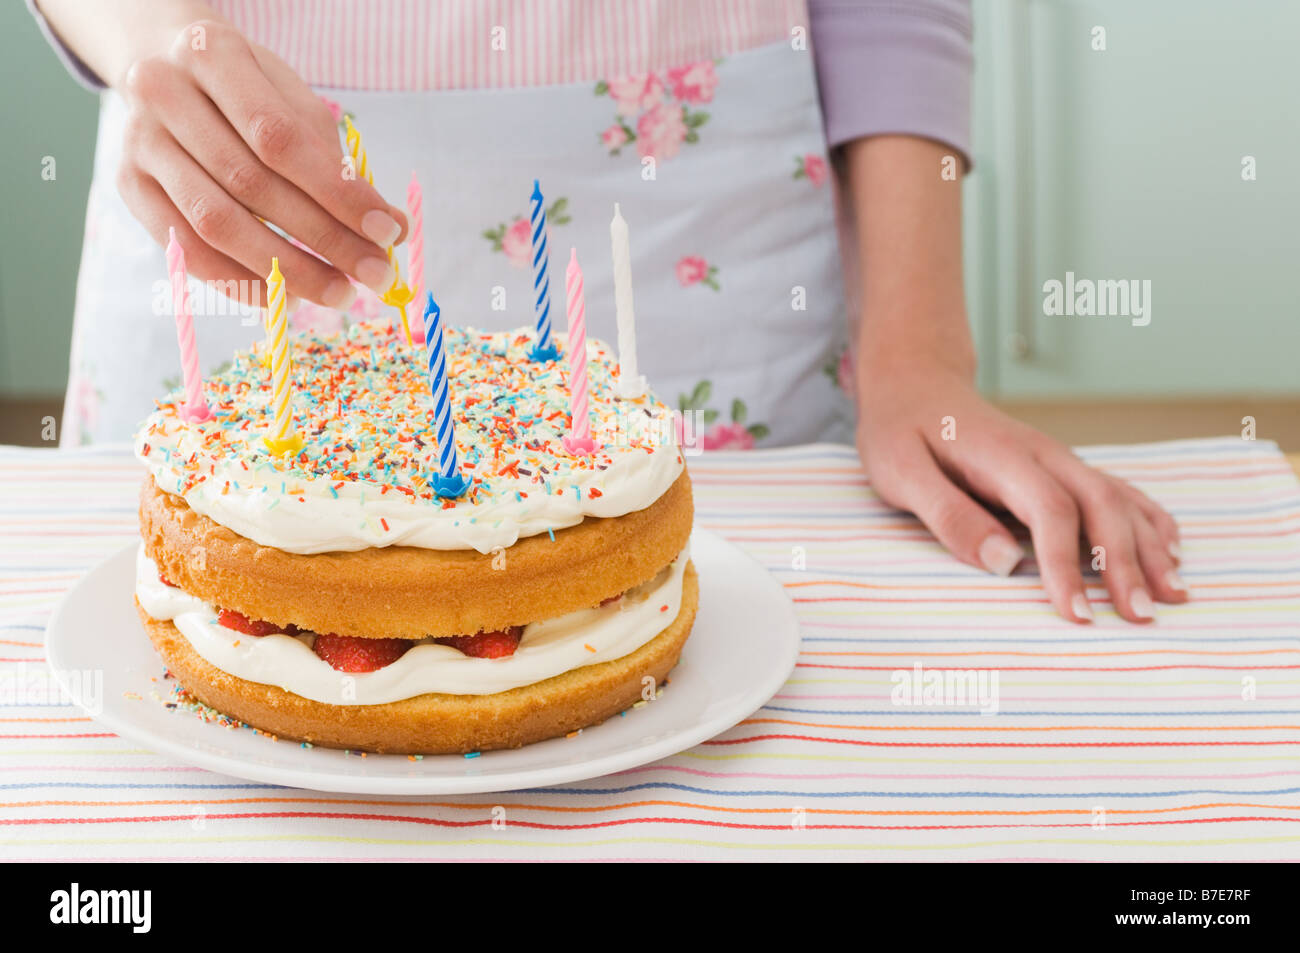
pixel 415 241
pixel 280 440
pixel 195 409
pixel 449 480
pixel 543 349
pixel 578 440
pixel 630 383
pixel 357 151
pixel 398 295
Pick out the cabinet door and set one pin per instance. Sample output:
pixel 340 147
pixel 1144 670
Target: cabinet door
pixel 1133 163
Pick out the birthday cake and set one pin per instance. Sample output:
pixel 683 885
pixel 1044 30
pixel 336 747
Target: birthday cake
pixel 335 593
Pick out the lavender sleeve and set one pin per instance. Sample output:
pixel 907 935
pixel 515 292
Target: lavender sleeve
pixel 894 66
pixel 82 73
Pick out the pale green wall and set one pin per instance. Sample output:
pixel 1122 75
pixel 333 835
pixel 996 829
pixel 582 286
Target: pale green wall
pixel 43 112
pixel 1113 165
pixel 1127 163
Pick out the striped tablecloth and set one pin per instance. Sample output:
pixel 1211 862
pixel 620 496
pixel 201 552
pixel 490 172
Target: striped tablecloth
pixel 1113 742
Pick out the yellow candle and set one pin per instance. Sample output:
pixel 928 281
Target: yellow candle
pixel 282 439
pixel 399 295
pixel 358 151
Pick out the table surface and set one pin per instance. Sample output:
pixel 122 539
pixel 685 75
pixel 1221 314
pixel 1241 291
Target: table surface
pixel 1176 740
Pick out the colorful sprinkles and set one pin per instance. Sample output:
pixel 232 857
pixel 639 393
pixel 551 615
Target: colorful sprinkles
pixel 363 404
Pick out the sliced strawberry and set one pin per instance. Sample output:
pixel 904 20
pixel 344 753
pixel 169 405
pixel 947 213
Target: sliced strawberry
pixel 165 581
pixel 500 644
pixel 346 653
pixel 242 623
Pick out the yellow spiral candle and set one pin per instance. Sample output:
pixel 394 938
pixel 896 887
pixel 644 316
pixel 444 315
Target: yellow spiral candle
pixel 282 440
pixel 399 295
pixel 357 150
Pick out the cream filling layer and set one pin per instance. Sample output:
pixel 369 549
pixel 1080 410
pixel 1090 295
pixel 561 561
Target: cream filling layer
pixel 546 649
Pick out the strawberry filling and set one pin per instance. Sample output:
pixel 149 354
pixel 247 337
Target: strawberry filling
pixel 499 644
pixel 165 581
pixel 346 653
pixel 242 623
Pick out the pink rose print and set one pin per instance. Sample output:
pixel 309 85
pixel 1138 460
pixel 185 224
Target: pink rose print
pixel 615 137
pixel 515 240
pixel 693 84
pixel 844 375
pixel 693 270
pixel 728 437
pixel 517 243
pixel 811 167
pixel 661 131
pixel 656 117
pixel 635 93
pixel 840 371
pixel 720 436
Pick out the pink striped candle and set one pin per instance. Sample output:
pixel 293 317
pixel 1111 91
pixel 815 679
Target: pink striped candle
pixel 195 409
pixel 578 440
pixel 415 248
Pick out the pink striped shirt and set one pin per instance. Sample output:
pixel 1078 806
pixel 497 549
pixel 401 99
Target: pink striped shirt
pixel 419 45
pixel 883 66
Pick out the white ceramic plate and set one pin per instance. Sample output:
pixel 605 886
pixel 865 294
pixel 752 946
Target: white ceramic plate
pixel 741 651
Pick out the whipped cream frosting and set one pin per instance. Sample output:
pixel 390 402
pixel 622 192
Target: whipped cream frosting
pixel 546 649
pixel 362 404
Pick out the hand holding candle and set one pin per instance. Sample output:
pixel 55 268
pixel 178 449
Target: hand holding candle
pixel 195 409
pixel 578 440
pixel 630 383
pixel 398 294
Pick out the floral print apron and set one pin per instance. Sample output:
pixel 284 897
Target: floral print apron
pixel 719 168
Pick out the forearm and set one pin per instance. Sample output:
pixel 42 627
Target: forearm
pixel 908 218
pixel 110 35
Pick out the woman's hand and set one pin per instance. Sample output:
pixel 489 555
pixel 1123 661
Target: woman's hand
pixel 222 133
pixel 916 367
pixel 931 444
pixel 226 134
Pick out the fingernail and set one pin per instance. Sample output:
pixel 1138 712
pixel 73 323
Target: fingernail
pixel 1081 608
pixel 1141 604
pixel 380 228
pixel 1175 581
pixel 1176 551
pixel 376 274
pixel 999 555
pixel 339 294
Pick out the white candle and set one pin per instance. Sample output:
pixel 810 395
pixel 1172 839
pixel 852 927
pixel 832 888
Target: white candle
pixel 630 383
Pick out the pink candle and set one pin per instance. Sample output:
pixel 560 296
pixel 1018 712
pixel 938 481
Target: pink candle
pixel 578 440
pixel 415 247
pixel 195 408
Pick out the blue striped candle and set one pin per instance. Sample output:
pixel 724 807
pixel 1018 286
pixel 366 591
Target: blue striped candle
pixel 449 481
pixel 543 349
